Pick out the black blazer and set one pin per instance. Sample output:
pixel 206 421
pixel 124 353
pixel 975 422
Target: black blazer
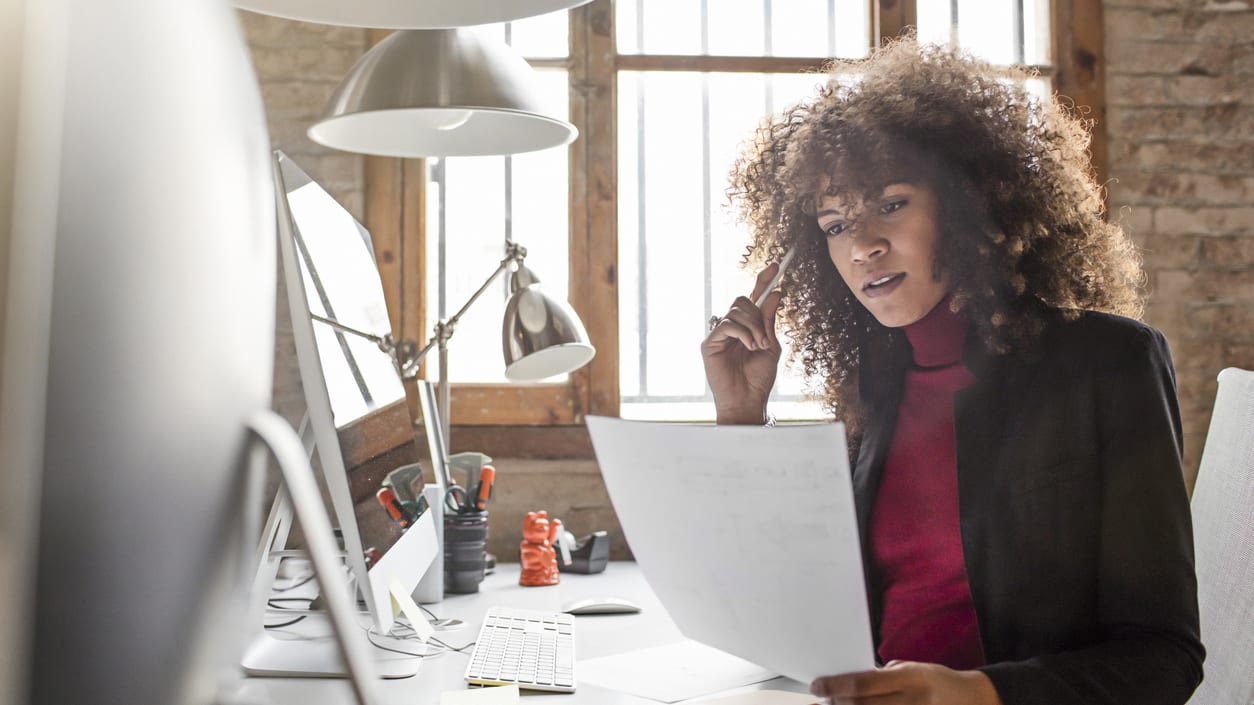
pixel 1073 512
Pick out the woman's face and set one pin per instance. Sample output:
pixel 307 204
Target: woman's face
pixel 884 250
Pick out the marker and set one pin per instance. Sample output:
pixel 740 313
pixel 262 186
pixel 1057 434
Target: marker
pixel 388 499
pixel 783 265
pixel 483 493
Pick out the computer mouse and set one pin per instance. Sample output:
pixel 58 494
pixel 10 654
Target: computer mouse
pixel 601 604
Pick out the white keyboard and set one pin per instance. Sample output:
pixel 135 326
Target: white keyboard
pixel 535 650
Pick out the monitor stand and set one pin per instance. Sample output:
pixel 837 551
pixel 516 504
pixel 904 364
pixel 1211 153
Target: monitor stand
pixel 310 649
pixel 314 655
pixel 352 656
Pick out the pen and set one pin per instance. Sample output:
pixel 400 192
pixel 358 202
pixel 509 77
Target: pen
pixel 783 265
pixel 483 493
pixel 388 499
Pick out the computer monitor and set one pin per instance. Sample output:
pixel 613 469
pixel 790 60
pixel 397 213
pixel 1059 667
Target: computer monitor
pixel 158 334
pixel 335 296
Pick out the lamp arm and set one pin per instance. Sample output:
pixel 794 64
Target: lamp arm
pixel 384 342
pixel 444 329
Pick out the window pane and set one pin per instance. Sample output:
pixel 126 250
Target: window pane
pixel 1010 32
pixel 474 204
pixel 738 28
pixel 544 36
pixel 679 249
pixel 817 28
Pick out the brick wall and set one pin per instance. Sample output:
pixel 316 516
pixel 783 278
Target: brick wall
pixel 298 65
pixel 1180 84
pixel 1180 130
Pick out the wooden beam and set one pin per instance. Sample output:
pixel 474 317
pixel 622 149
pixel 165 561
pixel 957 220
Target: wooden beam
pixel 892 17
pixel 1079 53
pixel 594 194
pixel 725 64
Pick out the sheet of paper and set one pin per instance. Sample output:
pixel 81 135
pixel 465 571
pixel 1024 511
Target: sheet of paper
pixel 401 600
pixel 748 536
pixel 760 697
pixel 670 673
pixel 492 695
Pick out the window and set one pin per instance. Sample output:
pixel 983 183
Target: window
pixel 631 220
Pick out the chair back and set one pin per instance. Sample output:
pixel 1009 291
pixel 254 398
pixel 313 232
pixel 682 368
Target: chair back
pixel 1223 529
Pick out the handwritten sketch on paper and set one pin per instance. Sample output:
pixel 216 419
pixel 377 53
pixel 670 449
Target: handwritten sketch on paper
pixel 747 535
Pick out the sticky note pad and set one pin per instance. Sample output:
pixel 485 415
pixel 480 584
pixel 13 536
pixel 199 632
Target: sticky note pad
pixel 492 695
pixel 401 600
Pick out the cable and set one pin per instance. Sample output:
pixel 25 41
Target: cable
pixel 288 623
pixel 271 602
pixel 458 649
pixel 377 645
pixel 295 585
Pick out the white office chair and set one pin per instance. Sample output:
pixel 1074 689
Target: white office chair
pixel 1223 528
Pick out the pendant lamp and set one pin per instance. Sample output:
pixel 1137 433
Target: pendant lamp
pixel 406 14
pixel 439 93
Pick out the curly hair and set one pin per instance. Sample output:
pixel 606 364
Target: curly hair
pixel 1020 226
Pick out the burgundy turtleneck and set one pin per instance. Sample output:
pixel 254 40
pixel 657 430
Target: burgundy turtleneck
pixel 916 546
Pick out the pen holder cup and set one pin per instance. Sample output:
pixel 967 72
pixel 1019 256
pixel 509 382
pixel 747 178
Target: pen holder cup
pixel 465 537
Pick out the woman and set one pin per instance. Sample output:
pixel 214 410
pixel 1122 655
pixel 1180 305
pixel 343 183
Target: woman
pixel 968 314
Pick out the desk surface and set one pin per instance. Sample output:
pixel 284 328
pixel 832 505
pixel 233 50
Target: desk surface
pixel 595 636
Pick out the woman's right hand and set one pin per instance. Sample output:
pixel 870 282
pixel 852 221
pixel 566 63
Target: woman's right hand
pixel 741 355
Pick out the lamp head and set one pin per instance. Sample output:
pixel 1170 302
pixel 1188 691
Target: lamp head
pixel 439 93
pixel 542 336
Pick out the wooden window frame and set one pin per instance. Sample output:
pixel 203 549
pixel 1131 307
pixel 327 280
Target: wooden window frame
pixel 545 420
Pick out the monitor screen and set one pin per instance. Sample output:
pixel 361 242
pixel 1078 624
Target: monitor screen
pixel 347 375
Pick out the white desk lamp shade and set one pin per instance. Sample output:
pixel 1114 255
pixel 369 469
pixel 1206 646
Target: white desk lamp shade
pixel 406 14
pixel 542 335
pixel 439 93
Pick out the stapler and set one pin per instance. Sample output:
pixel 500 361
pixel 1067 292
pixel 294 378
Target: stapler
pixel 589 555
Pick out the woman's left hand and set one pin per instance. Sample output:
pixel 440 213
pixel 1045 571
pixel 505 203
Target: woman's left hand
pixel 908 683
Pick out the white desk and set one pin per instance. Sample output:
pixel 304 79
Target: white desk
pixel 595 635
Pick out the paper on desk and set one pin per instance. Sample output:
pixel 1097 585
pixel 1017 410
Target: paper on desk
pixel 760 697
pixel 401 600
pixel 687 669
pixel 748 536
pixel 492 695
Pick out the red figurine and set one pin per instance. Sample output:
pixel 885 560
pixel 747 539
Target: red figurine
pixel 539 561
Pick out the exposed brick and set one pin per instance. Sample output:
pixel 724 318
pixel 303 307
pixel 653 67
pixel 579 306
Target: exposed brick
pixel 1181 155
pixel 1167 57
pixel 1214 221
pixel 1221 27
pixel 1136 221
pixel 1180 188
pixel 1210 121
pixel 1171 252
pixel 1239 354
pixel 1124 24
pixel 1171 317
pixel 265 31
pixel 1136 90
pixel 1195 355
pixel 1235 321
pixel 1208 90
pixel 1196 387
pixel 1144 5
pixel 1217 286
pixel 304 63
pixel 1233 252
pixel 295 99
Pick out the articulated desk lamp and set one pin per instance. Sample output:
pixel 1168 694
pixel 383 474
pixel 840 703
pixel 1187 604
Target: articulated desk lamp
pixel 459 92
pixel 541 336
pixel 436 89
